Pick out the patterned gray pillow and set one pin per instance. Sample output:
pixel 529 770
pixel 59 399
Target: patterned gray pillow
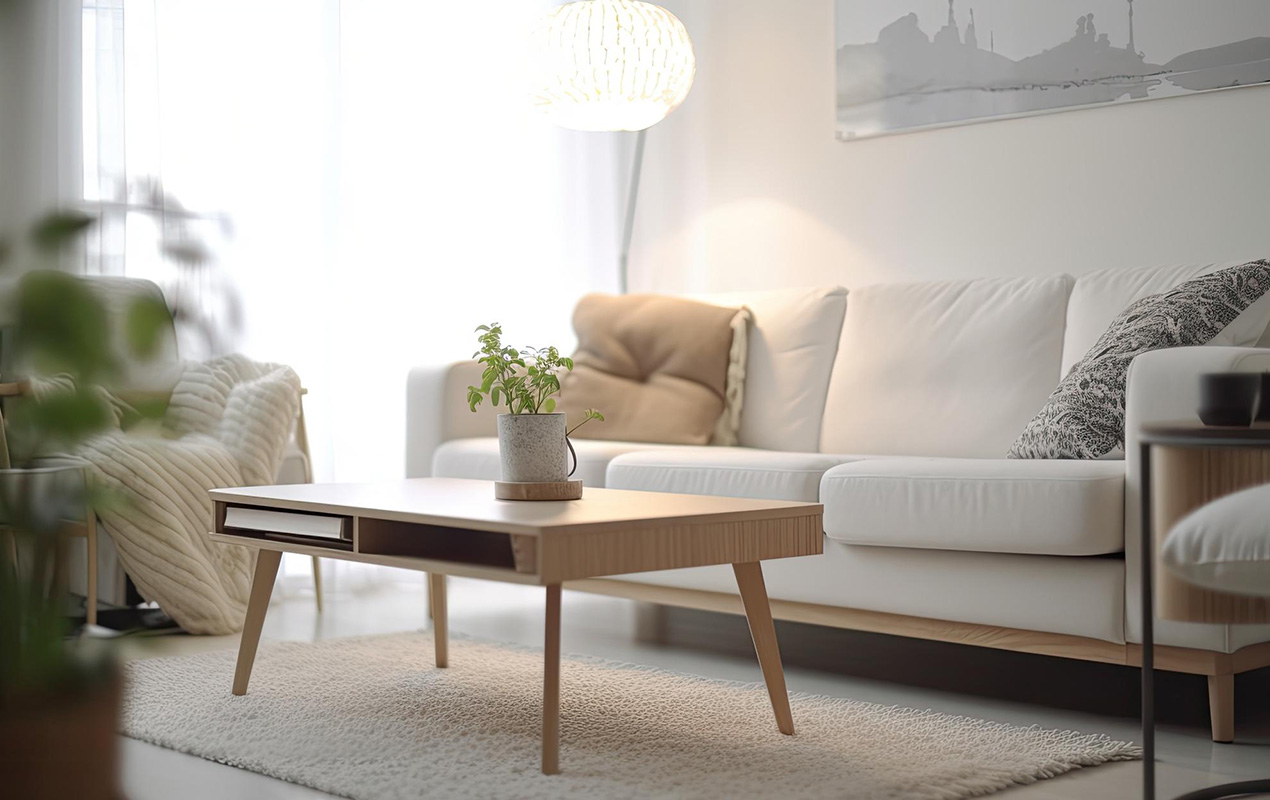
pixel 1084 417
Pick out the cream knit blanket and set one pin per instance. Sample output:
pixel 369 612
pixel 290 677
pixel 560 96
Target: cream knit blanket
pixel 227 424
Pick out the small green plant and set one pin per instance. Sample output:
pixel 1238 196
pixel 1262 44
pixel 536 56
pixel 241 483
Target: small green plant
pixel 522 380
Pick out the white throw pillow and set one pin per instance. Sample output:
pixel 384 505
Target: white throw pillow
pixel 949 368
pixel 1225 545
pixel 793 336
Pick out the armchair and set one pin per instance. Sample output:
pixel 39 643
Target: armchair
pixel 93 567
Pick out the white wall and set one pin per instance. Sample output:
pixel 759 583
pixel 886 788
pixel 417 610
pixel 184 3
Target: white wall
pixel 746 187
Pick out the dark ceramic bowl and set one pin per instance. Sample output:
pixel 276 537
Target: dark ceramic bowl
pixel 1229 398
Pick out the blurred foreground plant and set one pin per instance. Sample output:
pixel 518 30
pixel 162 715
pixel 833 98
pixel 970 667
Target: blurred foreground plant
pixel 60 334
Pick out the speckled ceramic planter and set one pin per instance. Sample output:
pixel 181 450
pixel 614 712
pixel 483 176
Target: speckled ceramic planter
pixel 531 447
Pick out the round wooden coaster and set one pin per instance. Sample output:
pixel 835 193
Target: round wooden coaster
pixel 546 490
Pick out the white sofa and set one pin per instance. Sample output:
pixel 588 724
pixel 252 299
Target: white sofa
pixel 894 407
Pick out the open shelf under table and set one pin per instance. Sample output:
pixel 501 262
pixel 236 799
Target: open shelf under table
pixel 411 545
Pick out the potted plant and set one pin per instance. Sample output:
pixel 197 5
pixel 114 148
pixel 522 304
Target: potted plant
pixel 59 695
pixel 533 438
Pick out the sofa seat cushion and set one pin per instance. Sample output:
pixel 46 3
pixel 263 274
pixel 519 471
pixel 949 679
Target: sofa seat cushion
pixel 724 471
pixel 478 458
pixel 1066 508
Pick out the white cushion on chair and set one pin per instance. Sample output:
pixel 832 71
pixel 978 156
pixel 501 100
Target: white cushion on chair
pixel 294 467
pixel 1225 545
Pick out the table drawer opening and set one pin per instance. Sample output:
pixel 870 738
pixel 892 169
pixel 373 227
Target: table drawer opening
pixel 439 543
pixel 301 527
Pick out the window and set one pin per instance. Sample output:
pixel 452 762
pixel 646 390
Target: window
pixel 367 175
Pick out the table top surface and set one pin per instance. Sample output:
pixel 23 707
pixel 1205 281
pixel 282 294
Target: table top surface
pixel 1196 434
pixel 471 504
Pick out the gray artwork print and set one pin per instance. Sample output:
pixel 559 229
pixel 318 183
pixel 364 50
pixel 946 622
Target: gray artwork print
pixel 927 63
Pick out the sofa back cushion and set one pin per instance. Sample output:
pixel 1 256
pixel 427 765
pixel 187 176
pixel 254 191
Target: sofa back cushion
pixel 944 368
pixel 1099 297
pixel 793 337
pixel 657 367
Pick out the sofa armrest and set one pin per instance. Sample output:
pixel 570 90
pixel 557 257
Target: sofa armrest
pixel 1163 386
pixel 436 412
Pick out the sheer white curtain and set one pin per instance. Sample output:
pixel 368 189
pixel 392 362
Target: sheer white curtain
pixel 369 175
pixel 39 109
pixel 460 204
pixel 370 179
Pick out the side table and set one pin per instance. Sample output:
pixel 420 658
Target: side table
pixel 1186 465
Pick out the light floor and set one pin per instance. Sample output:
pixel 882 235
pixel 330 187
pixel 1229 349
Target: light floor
pixel 1010 687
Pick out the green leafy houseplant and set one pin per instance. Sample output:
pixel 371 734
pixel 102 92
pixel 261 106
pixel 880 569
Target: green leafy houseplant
pixel 524 381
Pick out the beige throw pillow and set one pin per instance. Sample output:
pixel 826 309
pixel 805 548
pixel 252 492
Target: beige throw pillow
pixel 660 369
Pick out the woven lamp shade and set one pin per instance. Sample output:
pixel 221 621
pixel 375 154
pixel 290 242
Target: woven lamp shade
pixel 612 65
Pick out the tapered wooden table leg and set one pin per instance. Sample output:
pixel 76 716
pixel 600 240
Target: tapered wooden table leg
pixel 261 587
pixel 317 583
pixel 426 575
pixel 749 579
pixel 551 685
pixel 440 623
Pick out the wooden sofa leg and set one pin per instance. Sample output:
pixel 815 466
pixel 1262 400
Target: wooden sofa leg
pixel 1221 706
pixel 652 622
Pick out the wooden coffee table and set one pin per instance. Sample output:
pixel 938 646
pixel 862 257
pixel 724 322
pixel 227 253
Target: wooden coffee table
pixel 446 526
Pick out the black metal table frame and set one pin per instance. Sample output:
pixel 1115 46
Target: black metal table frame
pixel 1146 442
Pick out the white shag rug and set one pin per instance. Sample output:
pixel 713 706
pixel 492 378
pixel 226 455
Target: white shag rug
pixel 371 718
